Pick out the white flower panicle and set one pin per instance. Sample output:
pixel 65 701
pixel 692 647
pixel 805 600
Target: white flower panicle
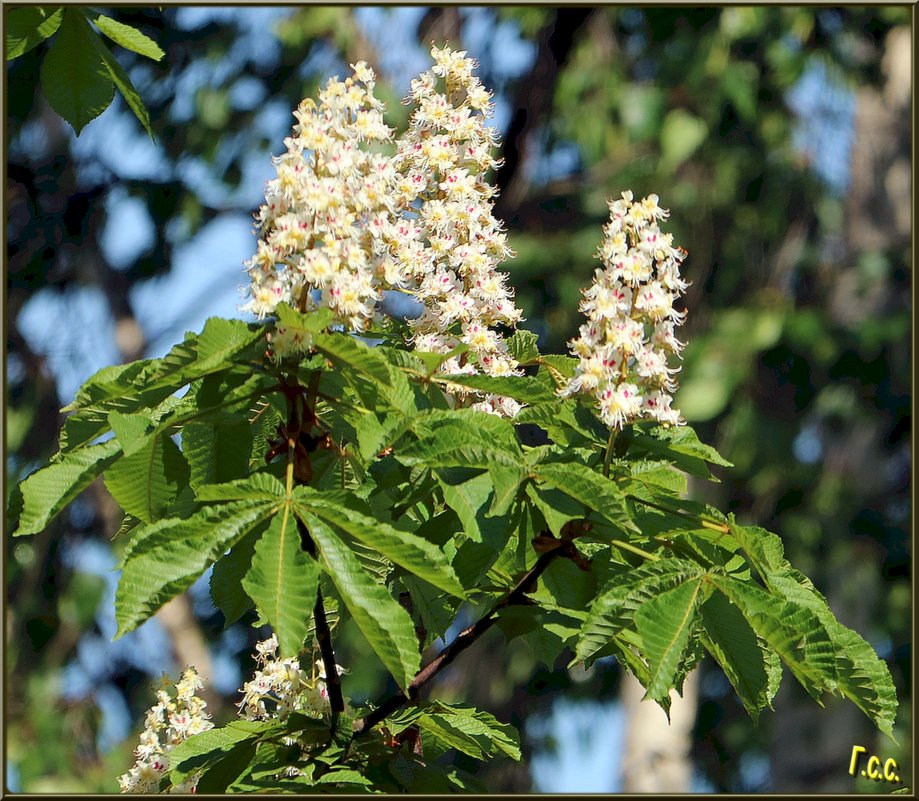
pixel 448 241
pixel 629 335
pixel 281 686
pixel 329 212
pixel 168 722
pixel 342 223
pixel 278 688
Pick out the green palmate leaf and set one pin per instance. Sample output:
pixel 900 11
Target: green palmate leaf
pixel 614 608
pixel 431 362
pixel 795 632
pixel 468 730
pixel 344 776
pixel 133 431
pixel 167 561
pixel 566 587
pixel 555 506
pixel 764 549
pixel 679 445
pixel 130 390
pixel 376 432
pixel 110 383
pixel 487 429
pixel 469 498
pixel 471 440
pixel 258 486
pixel 310 323
pixel 74 78
pixel 138 429
pixel 203 750
pixel 283 580
pixel 506 480
pixel 861 676
pixel 226 587
pixel 387 385
pixel 385 624
pixel 445 451
pixel 545 631
pixel 146 481
pixel 441 729
pixel 123 82
pixel 48 490
pixel 24 28
pixel 665 624
pixel 227 394
pixel 554 366
pixel 211 351
pixel 659 476
pixel 139 533
pixel 269 760
pixel 116 389
pixel 414 554
pixel 565 421
pixel 522 346
pixel 128 37
pixel 216 453
pixel 754 671
pixel 264 419
pixel 345 350
pixel 436 609
pixel 590 488
pixel 521 388
pixel 225 770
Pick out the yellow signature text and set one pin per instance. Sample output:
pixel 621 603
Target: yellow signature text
pixel 875 769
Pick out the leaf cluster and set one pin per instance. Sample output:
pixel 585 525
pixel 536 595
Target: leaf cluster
pixel 354 478
pixel 79 73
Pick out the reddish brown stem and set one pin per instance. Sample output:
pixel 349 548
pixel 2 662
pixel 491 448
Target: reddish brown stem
pixel 466 638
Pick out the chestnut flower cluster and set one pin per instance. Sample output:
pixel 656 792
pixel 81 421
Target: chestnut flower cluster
pixel 341 223
pixel 168 722
pixel 449 241
pixel 322 226
pixel 278 687
pixel 281 686
pixel 629 335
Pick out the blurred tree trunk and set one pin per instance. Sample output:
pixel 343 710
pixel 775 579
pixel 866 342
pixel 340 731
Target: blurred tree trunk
pixel 656 752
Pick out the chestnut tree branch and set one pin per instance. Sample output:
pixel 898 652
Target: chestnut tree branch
pixel 464 639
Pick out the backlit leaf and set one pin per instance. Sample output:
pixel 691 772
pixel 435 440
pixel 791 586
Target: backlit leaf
pixel 282 580
pixel 48 490
pixel 74 77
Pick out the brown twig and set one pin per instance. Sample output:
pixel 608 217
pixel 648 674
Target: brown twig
pixel 465 638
